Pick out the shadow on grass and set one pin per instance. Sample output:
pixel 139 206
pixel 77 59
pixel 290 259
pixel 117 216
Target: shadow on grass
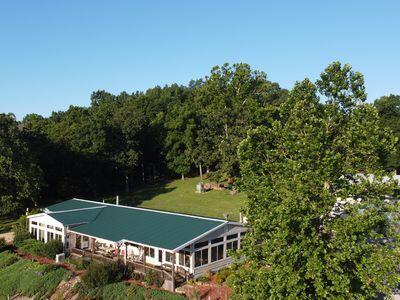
pixel 144 194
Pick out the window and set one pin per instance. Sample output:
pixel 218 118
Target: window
pixel 217 253
pixel 41 235
pixel 184 258
pixel 243 233
pixel 34 233
pixel 201 258
pixel 201 244
pixel 50 226
pixel 34 223
pixel 218 240
pixel 41 224
pixel 168 256
pixel 50 236
pixel 232 236
pixel 58 237
pixel 58 228
pixel 149 251
pixel 232 245
pixel 160 255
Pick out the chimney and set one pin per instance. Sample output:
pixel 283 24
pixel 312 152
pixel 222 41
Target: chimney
pixel 117 200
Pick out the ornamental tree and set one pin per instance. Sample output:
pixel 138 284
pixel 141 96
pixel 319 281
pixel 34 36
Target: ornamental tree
pixel 321 225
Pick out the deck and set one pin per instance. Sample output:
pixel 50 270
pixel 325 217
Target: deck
pixel 181 275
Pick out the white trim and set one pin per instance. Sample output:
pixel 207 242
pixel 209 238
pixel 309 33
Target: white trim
pixel 199 237
pixel 144 245
pixel 36 215
pixel 91 236
pixel 76 209
pixel 153 210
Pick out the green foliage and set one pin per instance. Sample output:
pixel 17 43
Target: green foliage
pixel 79 263
pixel 20 229
pixel 35 247
pixel 7 258
pixel 29 278
pixel 389 113
pixel 206 277
pixel 20 177
pixel 20 237
pixel 3 244
pixel 152 278
pixel 31 246
pixel 223 274
pixel 52 248
pixel 100 274
pixel 319 230
pixel 121 291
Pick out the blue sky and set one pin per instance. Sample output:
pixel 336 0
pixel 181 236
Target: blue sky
pixel 55 53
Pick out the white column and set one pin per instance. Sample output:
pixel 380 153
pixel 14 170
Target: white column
pixel 192 258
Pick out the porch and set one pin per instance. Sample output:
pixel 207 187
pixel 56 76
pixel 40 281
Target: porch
pixel 140 258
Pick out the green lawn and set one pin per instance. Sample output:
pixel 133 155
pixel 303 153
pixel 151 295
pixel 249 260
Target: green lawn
pixel 179 196
pixel 6 223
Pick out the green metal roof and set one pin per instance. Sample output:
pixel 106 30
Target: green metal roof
pixel 73 204
pixel 149 227
pixel 75 217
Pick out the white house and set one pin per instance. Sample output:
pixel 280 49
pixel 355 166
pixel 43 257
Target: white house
pixel 184 244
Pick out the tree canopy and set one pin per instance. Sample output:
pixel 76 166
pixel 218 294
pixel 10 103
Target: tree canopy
pixel 20 177
pixel 322 223
pixel 389 111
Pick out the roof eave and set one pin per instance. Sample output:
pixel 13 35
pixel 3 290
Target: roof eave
pixel 199 237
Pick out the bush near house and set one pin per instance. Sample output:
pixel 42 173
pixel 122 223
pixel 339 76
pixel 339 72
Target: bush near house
pixel 223 274
pixel 35 247
pixel 152 278
pixel 100 274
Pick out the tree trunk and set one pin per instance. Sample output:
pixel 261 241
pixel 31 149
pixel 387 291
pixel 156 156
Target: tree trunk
pixel 201 171
pixel 127 183
pixel 183 176
pixel 143 178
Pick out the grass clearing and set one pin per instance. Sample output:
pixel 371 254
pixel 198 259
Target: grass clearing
pixel 179 196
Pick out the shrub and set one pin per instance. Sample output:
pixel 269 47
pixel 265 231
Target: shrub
pixel 3 244
pixel 206 277
pixel 223 274
pixel 100 274
pixel 20 236
pixel 7 259
pixel 79 264
pixel 31 246
pixel 51 248
pixel 152 278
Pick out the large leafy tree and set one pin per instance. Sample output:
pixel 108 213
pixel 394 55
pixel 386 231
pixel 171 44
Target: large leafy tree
pixel 389 112
pixel 232 100
pixel 321 227
pixel 20 177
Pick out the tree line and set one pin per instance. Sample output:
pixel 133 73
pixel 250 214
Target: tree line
pixel 121 141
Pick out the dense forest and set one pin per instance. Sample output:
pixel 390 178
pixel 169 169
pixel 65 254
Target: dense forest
pixel 122 141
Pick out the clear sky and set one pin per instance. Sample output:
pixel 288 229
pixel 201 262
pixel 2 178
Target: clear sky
pixel 55 53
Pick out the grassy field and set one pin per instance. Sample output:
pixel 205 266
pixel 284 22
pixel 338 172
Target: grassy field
pixel 179 196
